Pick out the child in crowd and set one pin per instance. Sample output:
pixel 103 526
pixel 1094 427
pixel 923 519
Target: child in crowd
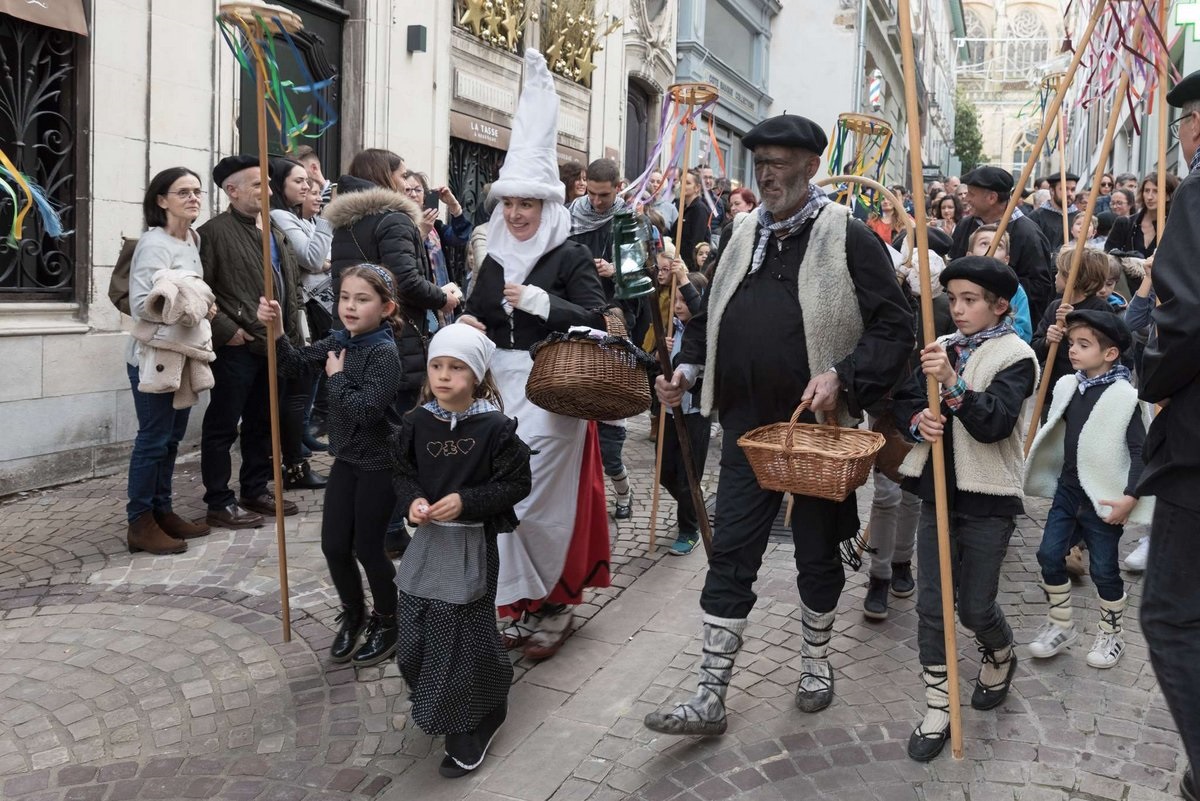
pixel 1093 272
pixel 1088 458
pixel 978 245
pixel 363 369
pixel 986 373
pixel 460 469
pixel 674 474
pixel 1109 291
pixel 701 255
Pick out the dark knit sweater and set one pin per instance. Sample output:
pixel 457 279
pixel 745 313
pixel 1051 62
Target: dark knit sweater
pixel 1077 413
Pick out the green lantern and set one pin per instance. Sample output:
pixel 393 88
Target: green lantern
pixel 631 250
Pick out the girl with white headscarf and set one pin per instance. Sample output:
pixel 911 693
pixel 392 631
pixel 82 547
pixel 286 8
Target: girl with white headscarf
pixel 535 282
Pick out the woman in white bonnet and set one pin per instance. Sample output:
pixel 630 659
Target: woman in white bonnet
pixel 535 282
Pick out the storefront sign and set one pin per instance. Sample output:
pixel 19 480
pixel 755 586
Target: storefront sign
pixel 473 129
pixel 63 15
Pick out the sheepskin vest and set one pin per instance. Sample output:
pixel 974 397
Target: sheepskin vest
pixel 833 323
pixel 1103 457
pixel 988 469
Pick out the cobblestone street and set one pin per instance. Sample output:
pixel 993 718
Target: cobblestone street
pixel 137 677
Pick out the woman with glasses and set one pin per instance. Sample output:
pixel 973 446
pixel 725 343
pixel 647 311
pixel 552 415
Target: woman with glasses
pixel 170 207
pixel 438 235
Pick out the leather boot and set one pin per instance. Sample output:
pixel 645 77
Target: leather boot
pixel 345 642
pixel 302 476
pixel 380 641
pixel 178 527
pixel 145 535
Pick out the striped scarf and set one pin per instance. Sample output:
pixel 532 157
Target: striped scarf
pixel 1119 372
pixel 767 225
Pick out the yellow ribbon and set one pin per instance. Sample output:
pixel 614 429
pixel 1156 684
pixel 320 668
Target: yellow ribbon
pixel 21 212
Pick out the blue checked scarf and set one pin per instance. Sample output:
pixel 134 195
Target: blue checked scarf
pixel 1119 372
pixel 965 345
pixel 816 201
pixel 478 407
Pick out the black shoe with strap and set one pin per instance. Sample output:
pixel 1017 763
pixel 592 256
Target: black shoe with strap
pixel 379 642
pixel 345 642
pixel 991 696
pixel 302 476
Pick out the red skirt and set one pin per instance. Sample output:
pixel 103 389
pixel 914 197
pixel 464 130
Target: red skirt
pixel 588 556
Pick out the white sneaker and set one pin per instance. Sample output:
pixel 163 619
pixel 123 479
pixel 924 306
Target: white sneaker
pixel 1051 639
pixel 1106 650
pixel 1136 561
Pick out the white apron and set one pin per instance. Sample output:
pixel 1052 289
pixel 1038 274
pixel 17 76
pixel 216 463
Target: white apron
pixel 532 557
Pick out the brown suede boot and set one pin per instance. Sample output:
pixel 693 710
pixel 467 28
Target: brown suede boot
pixel 145 535
pixel 179 528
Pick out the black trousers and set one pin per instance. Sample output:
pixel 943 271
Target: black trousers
pixel 241 393
pixel 1170 616
pixel 674 474
pixel 745 512
pixel 358 504
pixel 294 395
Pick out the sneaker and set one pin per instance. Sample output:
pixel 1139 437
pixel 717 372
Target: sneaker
pixel 685 544
pixel 1106 650
pixel 903 585
pixel 875 605
pixel 1136 561
pixel 1051 639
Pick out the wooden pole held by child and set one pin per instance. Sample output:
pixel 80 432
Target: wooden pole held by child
pixel 941 500
pixel 1065 201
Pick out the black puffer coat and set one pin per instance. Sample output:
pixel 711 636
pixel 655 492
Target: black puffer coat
pixel 379 225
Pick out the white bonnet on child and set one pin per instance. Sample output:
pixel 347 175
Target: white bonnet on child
pixel 465 343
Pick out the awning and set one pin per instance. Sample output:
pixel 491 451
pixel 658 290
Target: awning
pixel 63 15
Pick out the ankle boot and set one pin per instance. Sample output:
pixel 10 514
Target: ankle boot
pixel 302 476
pixel 177 527
pixel 1058 632
pixel 995 676
pixel 1108 646
pixel 704 713
pixel 379 642
pixel 345 642
pixel 816 676
pixel 930 736
pixel 145 535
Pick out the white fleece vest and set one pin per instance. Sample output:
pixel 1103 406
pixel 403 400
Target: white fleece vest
pixel 1103 456
pixel 987 468
pixel 833 323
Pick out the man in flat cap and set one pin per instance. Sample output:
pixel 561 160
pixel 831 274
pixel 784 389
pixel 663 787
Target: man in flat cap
pixel 988 190
pixel 1050 216
pixel 805 306
pixel 1170 376
pixel 231 252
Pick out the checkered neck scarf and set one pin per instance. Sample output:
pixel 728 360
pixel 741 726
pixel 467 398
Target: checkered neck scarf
pixel 1195 163
pixel 965 345
pixel 1119 372
pixel 816 201
pixel 478 407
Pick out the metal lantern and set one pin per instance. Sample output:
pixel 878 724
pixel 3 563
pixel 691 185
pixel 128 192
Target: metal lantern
pixel 631 251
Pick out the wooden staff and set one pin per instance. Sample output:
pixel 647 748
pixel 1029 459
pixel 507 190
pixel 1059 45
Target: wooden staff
pixel 1077 253
pixel 932 389
pixel 1062 181
pixel 1160 223
pixel 662 409
pixel 1051 111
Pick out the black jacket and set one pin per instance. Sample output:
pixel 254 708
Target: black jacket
pixel 695 230
pixel 1049 221
pixel 1028 255
pixel 1126 236
pixel 636 310
pixel 379 225
pixel 567 273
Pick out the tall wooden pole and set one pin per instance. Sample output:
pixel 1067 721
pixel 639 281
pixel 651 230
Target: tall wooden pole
pixel 1160 223
pixel 1077 253
pixel 933 390
pixel 1051 112
pixel 272 376
pixel 1062 180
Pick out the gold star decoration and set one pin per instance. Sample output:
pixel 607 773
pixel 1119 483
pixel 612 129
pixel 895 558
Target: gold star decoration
pixel 512 27
pixel 554 50
pixel 493 20
pixel 584 67
pixel 473 15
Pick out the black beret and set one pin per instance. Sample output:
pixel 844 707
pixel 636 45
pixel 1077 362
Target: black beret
pixel 1056 177
pixel 1185 90
pixel 788 130
pixel 940 242
pixel 993 179
pixel 989 273
pixel 1107 323
pixel 230 165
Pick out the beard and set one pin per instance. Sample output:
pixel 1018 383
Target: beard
pixel 794 194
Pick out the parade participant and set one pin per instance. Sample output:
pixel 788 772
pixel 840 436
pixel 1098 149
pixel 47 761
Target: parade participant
pixel 1048 216
pixel 171 205
pixel 1088 458
pixel 231 252
pixel 986 372
pixel 988 190
pixel 460 469
pixel 696 215
pixel 1170 377
pixel 805 307
pixel 364 376
pixel 981 240
pixel 1136 234
pixel 535 282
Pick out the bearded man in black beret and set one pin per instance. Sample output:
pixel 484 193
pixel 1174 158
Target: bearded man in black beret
pixel 804 306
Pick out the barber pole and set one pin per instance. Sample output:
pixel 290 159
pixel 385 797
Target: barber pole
pixel 875 90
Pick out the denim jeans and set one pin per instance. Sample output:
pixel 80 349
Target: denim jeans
pixel 240 393
pixel 1072 516
pixel 612 442
pixel 894 515
pixel 1170 616
pixel 977 549
pixel 152 463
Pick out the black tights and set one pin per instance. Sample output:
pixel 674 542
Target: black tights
pixel 358 504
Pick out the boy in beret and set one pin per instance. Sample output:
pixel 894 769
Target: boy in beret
pixel 986 372
pixel 1088 458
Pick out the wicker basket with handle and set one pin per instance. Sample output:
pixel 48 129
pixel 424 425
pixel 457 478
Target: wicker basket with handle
pixel 589 379
pixel 820 461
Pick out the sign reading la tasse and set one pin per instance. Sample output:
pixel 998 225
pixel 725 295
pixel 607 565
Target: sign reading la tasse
pixel 63 15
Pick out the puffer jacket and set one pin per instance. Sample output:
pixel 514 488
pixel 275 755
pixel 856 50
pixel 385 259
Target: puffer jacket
pixel 379 225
